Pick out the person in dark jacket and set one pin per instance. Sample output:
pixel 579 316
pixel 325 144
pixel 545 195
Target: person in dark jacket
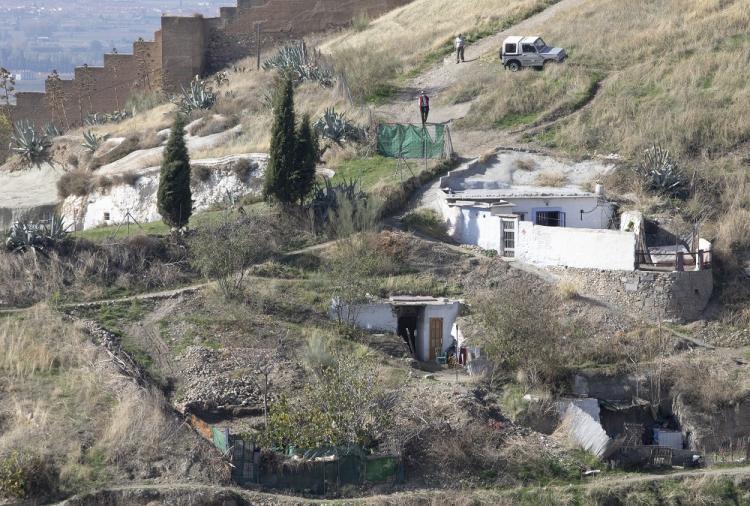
pixel 424 106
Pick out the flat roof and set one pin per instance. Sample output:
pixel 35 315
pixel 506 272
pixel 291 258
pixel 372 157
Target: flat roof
pixel 515 39
pixel 517 192
pixel 417 300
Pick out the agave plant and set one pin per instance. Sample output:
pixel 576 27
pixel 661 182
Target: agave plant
pixel 28 143
pixel 91 141
pixel 326 198
pixel 200 95
pixel 94 118
pixel 660 173
pixel 51 130
pixel 295 61
pixel 24 235
pixel 118 116
pixel 336 127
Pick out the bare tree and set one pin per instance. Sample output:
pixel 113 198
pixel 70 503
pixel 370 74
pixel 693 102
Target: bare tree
pixel 224 251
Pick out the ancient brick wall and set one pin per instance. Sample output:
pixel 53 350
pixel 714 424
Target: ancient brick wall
pixel 183 48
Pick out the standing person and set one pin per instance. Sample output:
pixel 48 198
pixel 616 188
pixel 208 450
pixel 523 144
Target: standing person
pixel 424 106
pixel 460 46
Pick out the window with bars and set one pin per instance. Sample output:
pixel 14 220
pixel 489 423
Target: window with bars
pixel 550 218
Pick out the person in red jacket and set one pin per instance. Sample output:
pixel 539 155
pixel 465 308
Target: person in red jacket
pixel 424 106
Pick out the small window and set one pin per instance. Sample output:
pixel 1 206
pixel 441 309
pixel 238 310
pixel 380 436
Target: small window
pixel 510 48
pixel 106 216
pixel 550 219
pixel 529 48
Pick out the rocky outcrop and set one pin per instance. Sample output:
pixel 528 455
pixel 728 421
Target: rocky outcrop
pixel 215 181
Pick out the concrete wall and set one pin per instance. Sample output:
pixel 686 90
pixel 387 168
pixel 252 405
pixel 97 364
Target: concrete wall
pixel 571 247
pixel 380 316
pixel 680 296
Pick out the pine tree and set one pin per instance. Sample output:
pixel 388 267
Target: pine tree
pixel 174 198
pixel 279 174
pixel 305 160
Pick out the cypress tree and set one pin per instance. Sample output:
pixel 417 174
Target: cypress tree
pixel 305 160
pixel 174 198
pixel 279 174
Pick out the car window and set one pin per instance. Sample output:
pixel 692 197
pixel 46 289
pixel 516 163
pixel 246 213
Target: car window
pixel 529 48
pixel 510 48
pixel 539 43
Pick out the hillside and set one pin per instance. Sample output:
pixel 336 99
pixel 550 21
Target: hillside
pixel 266 344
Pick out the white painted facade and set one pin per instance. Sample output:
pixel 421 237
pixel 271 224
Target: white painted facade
pixel 383 316
pixel 110 206
pixel 576 247
pixel 507 221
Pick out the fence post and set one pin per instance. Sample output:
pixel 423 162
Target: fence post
pixel 699 260
pixel 679 261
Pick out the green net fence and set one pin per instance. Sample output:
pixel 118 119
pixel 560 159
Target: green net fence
pixel 411 141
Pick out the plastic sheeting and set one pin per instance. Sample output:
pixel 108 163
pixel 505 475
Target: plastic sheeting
pixel 411 141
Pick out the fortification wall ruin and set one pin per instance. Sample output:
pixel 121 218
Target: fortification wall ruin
pixel 183 48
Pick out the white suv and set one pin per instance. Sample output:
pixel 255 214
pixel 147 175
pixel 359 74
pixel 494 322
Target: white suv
pixel 519 52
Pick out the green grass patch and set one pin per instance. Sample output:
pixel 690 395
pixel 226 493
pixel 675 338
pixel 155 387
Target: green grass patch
pixel 514 120
pixel 370 172
pixel 427 222
pixel 198 219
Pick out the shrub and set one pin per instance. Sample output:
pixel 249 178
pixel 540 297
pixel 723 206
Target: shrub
pixel 143 101
pixel 30 144
pixel 567 289
pixel 129 178
pixel 425 221
pixel 336 127
pixel 213 125
pixel 551 179
pixel 201 173
pixel 198 96
pixel 515 337
pixel 224 251
pixel 242 168
pixel 27 476
pixel 660 174
pixel 368 74
pixel 361 22
pixel 297 64
pixel 77 182
pixel 733 235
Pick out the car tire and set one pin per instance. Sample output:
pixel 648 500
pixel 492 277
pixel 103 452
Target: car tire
pixel 514 66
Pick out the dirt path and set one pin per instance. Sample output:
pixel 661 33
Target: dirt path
pixel 165 294
pixel 177 491
pixel 436 80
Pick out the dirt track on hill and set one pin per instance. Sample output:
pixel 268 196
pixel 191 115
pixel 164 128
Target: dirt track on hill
pixel 467 143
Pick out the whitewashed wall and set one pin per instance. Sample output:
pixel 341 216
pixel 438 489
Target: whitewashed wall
pixel 140 199
pixel 580 248
pixel 449 314
pixel 478 226
pixel 375 317
pixel 380 316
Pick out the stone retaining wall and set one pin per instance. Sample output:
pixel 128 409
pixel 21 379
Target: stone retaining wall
pixel 679 296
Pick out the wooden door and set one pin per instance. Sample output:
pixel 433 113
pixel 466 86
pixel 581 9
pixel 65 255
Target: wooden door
pixel 436 337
